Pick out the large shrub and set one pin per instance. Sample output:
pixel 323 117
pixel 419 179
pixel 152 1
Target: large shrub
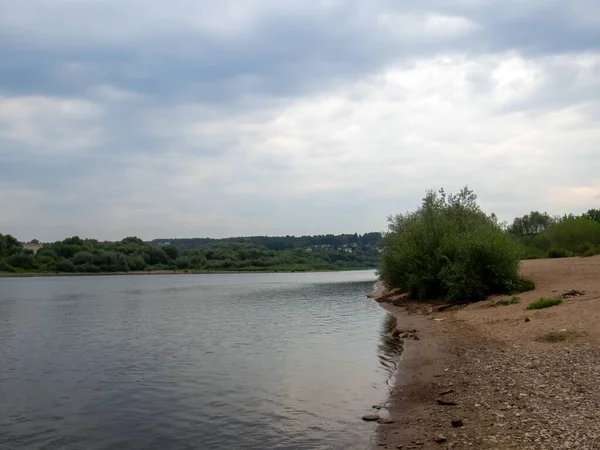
pixel 449 248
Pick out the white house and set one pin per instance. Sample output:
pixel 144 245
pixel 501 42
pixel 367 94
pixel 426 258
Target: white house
pixel 33 247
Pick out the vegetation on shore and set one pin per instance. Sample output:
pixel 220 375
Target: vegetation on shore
pixel 449 248
pixel 540 235
pixel 513 300
pixel 544 303
pixel 557 336
pixel 308 253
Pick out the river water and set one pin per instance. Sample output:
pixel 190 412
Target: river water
pixel 231 361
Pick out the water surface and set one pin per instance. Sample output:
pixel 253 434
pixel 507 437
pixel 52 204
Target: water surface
pixel 248 361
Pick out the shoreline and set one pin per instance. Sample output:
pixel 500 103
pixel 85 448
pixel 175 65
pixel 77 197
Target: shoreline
pixel 162 272
pixel 417 377
pixel 485 377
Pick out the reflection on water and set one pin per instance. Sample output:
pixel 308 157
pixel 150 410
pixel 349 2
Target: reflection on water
pixel 258 361
pixel 390 348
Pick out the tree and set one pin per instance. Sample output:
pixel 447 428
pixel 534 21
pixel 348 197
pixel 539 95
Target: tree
pixel 132 240
pixel 110 261
pixel 131 253
pixel 9 245
pixel 136 262
pixel 576 235
pixel 155 255
pixel 75 240
pixel 171 251
pixel 448 248
pixel 44 261
pixel 83 258
pixel 47 252
pixel 64 265
pixel 593 214
pixel 530 224
pixel 24 260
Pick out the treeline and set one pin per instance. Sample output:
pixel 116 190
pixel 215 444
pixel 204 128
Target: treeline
pixel 540 235
pixel 76 255
pixel 283 242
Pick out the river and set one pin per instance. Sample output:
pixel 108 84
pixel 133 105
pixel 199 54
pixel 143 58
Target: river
pixel 224 361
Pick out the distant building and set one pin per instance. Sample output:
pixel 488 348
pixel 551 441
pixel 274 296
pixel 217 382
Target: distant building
pixel 347 249
pixel 33 247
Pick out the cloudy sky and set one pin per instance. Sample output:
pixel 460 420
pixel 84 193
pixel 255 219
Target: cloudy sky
pixel 204 118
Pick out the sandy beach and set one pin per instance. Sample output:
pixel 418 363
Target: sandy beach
pixel 493 376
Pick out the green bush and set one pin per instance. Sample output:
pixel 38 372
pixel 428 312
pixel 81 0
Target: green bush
pixel 64 265
pixel 559 253
pixel 6 267
pixel 545 303
pixel 557 336
pixel 593 214
pixel 574 234
pixel 584 248
pixel 528 251
pixel 449 248
pixel 520 285
pixel 506 301
pixel 564 237
pixel 136 262
pixel 83 258
pixel 87 268
pixel 23 260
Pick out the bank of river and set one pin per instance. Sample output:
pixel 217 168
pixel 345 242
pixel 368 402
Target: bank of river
pixel 493 376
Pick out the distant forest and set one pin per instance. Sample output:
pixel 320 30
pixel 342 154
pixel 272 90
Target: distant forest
pixel 260 253
pixel 540 235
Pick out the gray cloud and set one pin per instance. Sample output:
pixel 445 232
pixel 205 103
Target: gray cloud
pixel 131 117
pixel 192 50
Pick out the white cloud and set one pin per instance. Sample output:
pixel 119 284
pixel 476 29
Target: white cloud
pixel 108 93
pixel 424 27
pixel 416 126
pixel 578 198
pixel 516 79
pixel 46 125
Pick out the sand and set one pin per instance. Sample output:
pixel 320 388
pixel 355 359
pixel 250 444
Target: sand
pixel 513 388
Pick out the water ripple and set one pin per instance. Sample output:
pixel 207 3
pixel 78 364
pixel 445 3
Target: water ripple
pixel 278 361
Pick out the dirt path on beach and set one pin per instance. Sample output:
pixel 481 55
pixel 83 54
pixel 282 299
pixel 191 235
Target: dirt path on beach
pixel 501 377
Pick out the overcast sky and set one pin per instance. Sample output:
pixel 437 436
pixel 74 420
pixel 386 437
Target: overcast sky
pixel 267 117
